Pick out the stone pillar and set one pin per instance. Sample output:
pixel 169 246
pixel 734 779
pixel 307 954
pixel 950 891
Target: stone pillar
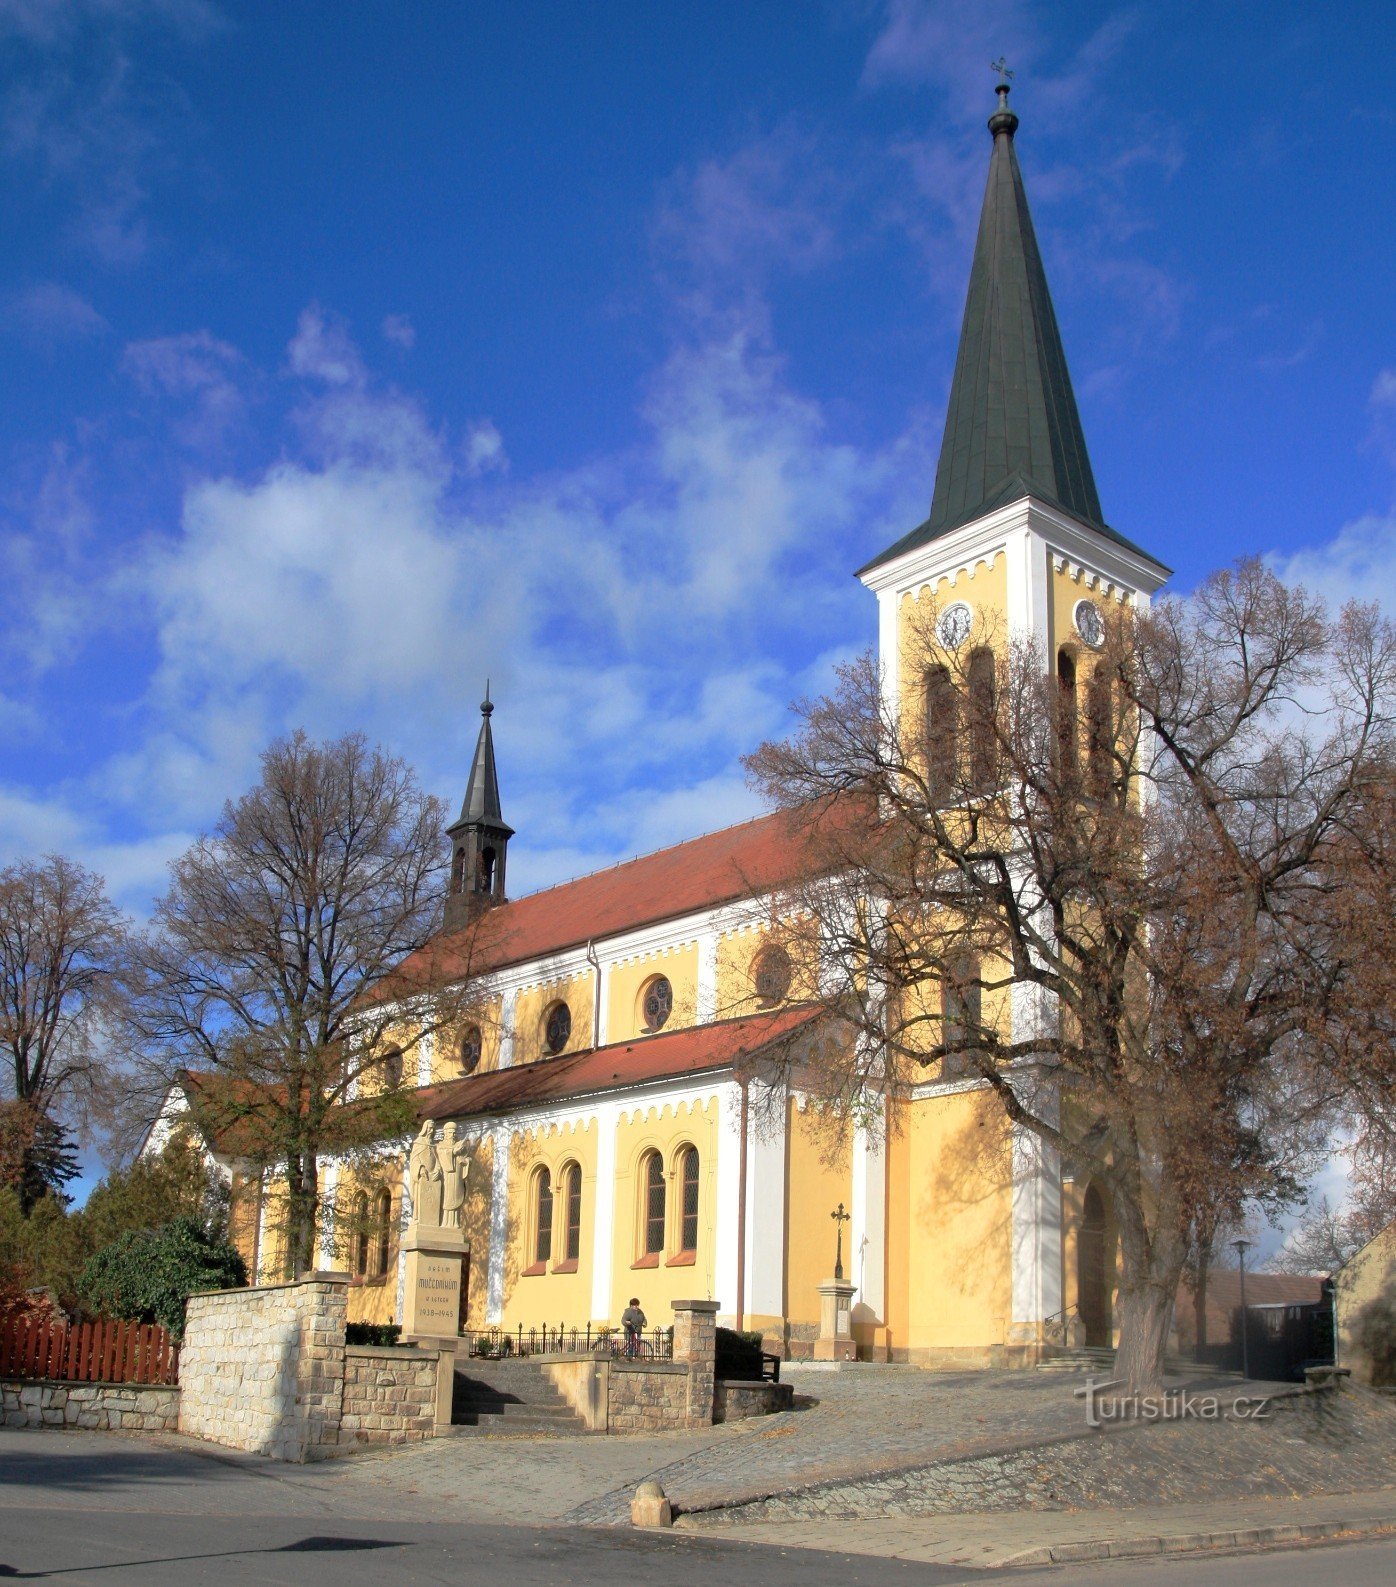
pixel 431 1289
pixel 695 1346
pixel 835 1341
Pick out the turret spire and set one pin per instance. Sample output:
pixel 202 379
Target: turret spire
pixel 480 837
pixel 1011 428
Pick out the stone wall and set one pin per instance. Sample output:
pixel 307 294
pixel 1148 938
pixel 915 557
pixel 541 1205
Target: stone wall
pixel 734 1400
pixel 647 1397
pixel 695 1345
pixel 1366 1308
pixel 263 1369
pixel 129 1407
pixel 390 1395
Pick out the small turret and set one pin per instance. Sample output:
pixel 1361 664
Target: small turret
pixel 480 837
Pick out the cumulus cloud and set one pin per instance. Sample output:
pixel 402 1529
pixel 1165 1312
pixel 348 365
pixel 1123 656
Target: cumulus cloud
pixel 323 350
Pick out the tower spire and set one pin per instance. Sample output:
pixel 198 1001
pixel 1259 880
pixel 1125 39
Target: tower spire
pixel 480 836
pixel 1012 428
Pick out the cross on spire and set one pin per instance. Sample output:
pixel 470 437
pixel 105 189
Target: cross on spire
pixel 1001 67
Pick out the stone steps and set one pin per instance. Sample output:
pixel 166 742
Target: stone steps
pixel 509 1399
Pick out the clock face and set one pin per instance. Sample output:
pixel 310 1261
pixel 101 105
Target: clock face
pixel 953 628
pixel 1089 623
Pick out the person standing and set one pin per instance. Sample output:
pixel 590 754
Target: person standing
pixel 632 1319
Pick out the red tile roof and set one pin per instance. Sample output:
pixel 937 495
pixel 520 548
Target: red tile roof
pixel 719 868
pixel 668 1056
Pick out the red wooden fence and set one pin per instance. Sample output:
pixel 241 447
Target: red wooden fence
pixel 100 1352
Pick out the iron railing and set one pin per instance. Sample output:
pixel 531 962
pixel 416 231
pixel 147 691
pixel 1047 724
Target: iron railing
pixel 495 1344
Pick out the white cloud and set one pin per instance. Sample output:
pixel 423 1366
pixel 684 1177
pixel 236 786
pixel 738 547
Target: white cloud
pixel 483 449
pixel 322 350
pixel 49 313
pixel 197 370
pixel 1358 564
pixel 399 329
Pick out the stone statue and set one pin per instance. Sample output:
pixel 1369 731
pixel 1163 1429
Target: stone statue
pixel 424 1178
pixel 453 1164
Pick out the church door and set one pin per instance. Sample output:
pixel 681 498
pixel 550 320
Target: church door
pixel 1093 1272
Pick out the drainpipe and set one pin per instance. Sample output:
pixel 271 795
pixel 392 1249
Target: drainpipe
pixel 595 963
pixel 741 1214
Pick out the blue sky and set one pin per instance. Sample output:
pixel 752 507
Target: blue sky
pixel 356 353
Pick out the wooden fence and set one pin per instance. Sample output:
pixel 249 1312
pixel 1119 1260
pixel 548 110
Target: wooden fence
pixel 100 1352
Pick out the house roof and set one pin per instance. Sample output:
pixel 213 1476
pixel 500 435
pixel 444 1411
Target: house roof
pixel 1262 1289
pixel 720 868
pixel 670 1055
pixel 1012 428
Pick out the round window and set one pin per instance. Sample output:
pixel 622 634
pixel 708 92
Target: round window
pixel 471 1047
pixel 954 625
pixel 772 975
pixel 557 1027
pixel 658 1003
pixel 1089 623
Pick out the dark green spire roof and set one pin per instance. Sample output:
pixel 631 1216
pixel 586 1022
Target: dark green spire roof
pixel 1011 429
pixel 481 806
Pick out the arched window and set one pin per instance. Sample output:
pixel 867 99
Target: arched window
pixel 652 1180
pixel 542 1217
pixel 484 871
pixel 688 1199
pixel 942 734
pixel 391 1068
pixel 471 1046
pixel 557 1028
pixel 359 1213
pixel 983 729
pixel 1066 712
pixel 656 1003
pixel 771 975
pixel 458 871
pixel 382 1227
pixel 1100 729
pixel 572 1212
pixel 960 1011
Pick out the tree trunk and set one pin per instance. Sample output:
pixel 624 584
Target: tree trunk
pixel 1199 1307
pixel 302 1185
pixel 1145 1315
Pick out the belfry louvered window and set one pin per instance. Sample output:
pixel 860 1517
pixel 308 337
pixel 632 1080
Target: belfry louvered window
pixel 688 1199
pixel 654 1204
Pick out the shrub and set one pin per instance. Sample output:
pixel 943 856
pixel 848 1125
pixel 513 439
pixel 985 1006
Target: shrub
pixel 372 1333
pixel 738 1354
pixel 148 1274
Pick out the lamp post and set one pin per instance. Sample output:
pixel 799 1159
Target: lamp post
pixel 1241 1247
pixel 840 1218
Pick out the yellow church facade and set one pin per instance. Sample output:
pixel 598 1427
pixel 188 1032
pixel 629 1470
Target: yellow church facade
pixel 628 1139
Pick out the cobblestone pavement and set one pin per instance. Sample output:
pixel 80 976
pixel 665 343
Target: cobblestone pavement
pixel 1320 1444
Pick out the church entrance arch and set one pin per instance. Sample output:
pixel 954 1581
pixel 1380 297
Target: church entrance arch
pixel 1093 1269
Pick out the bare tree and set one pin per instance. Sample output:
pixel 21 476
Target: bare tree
pixel 274 965
pixel 1107 891
pixel 63 949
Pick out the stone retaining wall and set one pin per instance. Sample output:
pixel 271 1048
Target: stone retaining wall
pixel 267 1370
pixel 734 1401
pixel 107 1407
pixel 647 1397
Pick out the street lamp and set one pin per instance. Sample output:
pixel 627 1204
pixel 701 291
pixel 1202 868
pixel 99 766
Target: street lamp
pixel 1241 1247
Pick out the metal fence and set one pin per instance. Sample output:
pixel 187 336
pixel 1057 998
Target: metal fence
pixel 495 1344
pixel 91 1352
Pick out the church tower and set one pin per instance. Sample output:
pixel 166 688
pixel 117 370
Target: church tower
pixel 480 837
pixel 1016 540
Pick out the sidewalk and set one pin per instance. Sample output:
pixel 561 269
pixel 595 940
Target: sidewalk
pixel 1039 1537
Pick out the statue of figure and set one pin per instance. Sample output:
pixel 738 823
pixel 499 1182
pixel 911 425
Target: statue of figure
pixel 424 1179
pixel 453 1162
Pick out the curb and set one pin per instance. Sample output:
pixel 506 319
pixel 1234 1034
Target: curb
pixel 1189 1542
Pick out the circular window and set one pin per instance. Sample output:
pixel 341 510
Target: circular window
pixel 471 1046
pixel 771 975
pixel 557 1027
pixel 1089 623
pixel 657 1003
pixel 954 625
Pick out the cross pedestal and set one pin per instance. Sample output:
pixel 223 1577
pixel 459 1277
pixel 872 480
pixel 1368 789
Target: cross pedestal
pixel 431 1294
pixel 835 1341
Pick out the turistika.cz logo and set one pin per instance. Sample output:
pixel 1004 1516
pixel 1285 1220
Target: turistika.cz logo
pixel 1104 1406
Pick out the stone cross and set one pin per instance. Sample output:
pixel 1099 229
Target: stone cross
pixel 840 1218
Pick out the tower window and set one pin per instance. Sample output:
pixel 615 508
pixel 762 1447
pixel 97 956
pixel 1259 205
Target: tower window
pixel 772 976
pixel 391 1068
pixel 653 1182
pixel 557 1028
pixel 688 1199
pixel 1066 712
pixel 942 734
pixel 458 870
pixel 543 1217
pixel 657 1003
pixel 572 1212
pixel 983 726
pixel 1099 728
pixel 484 871
pixel 960 1006
pixel 471 1047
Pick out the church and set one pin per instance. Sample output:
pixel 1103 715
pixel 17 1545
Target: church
pixel 605 1093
